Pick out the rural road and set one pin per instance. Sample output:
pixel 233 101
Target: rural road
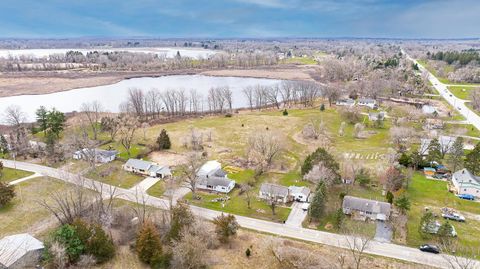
pixel 376 248
pixel 458 104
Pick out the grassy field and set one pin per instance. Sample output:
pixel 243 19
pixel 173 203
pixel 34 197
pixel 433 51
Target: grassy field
pixel 135 150
pixel 10 174
pixel 434 195
pixel 461 92
pixel 113 174
pixel 24 214
pixel 299 60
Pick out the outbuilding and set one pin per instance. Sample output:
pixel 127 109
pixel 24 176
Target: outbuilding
pixel 20 251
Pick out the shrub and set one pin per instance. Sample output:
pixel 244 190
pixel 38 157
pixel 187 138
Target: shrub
pixel 248 253
pixel 226 226
pixel 389 197
pixel 7 193
pixel 285 112
pixel 100 245
pixel 322 107
pixel 362 177
pixel 68 237
pixel 338 218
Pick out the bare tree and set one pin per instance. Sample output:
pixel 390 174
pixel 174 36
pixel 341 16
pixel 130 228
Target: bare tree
pixel 92 112
pixel 248 91
pixel 127 131
pixel 111 125
pixel 14 116
pixel 320 172
pixel 459 256
pixel 136 99
pixel 188 172
pixel 356 243
pixel 262 149
pixel 246 189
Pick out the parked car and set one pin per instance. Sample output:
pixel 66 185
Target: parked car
pixel 466 196
pixel 305 206
pixel 453 216
pixel 429 248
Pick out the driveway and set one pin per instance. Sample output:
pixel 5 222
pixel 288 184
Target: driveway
pixel 383 233
pixel 297 215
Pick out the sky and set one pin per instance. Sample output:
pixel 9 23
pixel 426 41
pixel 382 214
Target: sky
pixel 240 18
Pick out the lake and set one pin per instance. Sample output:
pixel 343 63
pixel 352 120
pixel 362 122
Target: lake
pixel 168 52
pixel 110 96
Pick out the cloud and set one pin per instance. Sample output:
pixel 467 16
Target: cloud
pixel 266 3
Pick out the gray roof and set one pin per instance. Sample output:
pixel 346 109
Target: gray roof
pixel 347 100
pixel 274 189
pixel 138 164
pixel 465 176
pixel 215 181
pixel 303 190
pixel 14 247
pixel 219 173
pixel 106 153
pixel 364 205
pixel 367 100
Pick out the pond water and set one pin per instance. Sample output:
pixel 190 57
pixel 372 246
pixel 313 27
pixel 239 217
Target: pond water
pixel 168 52
pixel 111 96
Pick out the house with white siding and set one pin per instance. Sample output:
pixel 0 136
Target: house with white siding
pixel 464 182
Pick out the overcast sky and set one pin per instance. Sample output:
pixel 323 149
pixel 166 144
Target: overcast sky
pixel 240 18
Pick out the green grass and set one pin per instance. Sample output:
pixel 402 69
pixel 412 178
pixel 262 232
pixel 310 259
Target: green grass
pixel 113 174
pixel 461 92
pixel 299 60
pixel 158 189
pixel 135 150
pixel 471 130
pixel 10 174
pixel 434 194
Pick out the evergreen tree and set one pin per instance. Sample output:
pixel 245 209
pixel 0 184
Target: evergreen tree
pixel 426 222
pixel 68 237
pixel 322 107
pixel 434 151
pixel 389 197
pixel 163 140
pixel 181 218
pixel 55 122
pixel 148 244
pixel 456 154
pixel 285 112
pixel 42 118
pixel 472 160
pixel 321 156
pixel 362 177
pixel 403 203
pixel 445 230
pixel 3 144
pixel 317 206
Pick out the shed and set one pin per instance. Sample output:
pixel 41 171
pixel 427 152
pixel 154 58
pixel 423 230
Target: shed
pixel 20 251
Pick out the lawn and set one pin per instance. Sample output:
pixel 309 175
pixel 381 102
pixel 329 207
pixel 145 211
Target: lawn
pixel 136 150
pixel 10 174
pixel 113 174
pixel 434 194
pixel 24 214
pixel 158 189
pixel 461 92
pixel 471 130
pixel 237 203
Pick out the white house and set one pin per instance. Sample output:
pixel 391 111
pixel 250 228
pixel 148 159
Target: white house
pixel 465 182
pixel 345 102
pixel 365 208
pixel 211 177
pixel 100 155
pixel 20 251
pixel 279 193
pixel 150 169
pixel 371 103
pixel 299 194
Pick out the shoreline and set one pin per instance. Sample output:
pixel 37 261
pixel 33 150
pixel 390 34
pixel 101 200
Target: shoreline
pixel 35 83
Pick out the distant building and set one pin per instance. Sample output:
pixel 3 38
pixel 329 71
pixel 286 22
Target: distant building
pixel 365 208
pixel 465 182
pixel 345 102
pixel 20 251
pixel 371 103
pixel 100 155
pixel 145 168
pixel 212 177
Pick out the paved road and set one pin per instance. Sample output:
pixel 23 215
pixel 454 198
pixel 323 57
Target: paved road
pixel 457 103
pixel 336 240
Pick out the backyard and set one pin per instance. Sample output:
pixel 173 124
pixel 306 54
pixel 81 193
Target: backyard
pixel 113 174
pixel 434 195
